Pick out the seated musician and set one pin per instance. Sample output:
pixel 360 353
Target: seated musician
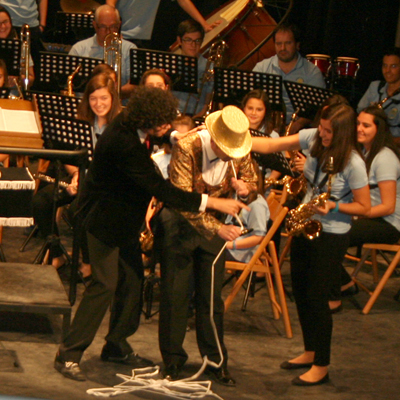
pixel 203 162
pixel 8 32
pixel 389 88
pixel 106 21
pixel 382 224
pixel 156 78
pixel 190 36
pixel 289 64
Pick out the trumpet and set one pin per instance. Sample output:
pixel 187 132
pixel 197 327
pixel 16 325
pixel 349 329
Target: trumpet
pixel 26 43
pixel 112 55
pixel 299 220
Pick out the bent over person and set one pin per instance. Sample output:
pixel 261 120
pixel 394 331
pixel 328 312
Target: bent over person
pixel 215 161
pixel 116 192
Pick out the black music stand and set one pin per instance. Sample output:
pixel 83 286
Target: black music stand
pixel 181 69
pixel 56 67
pixel 231 85
pixel 66 135
pixel 307 98
pixel 10 50
pixel 57 105
pixel 73 27
pixel 4 93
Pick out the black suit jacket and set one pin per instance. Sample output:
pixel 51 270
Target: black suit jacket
pixel 119 184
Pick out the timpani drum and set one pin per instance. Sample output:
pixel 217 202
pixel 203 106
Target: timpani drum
pixel 322 61
pixel 346 67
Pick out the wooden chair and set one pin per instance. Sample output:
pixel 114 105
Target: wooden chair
pixel 261 262
pixel 373 248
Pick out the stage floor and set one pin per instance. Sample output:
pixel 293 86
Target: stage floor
pixel 365 351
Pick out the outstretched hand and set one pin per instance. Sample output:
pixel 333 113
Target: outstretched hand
pixel 226 206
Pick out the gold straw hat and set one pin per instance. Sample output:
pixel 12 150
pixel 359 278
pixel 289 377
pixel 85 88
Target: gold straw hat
pixel 229 128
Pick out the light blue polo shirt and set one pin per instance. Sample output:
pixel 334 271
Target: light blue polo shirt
pixel 303 72
pixel 90 48
pixel 354 176
pixel 22 12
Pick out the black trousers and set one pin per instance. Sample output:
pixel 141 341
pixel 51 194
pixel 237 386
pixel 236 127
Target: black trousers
pixel 315 270
pixel 117 279
pixel 365 230
pixel 186 260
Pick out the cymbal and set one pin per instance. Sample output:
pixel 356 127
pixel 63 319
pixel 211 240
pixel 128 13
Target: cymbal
pixel 78 5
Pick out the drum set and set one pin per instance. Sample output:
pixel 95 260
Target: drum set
pixel 334 72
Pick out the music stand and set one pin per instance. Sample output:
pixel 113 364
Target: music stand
pixel 56 67
pixel 231 85
pixel 4 93
pixel 10 50
pixel 73 27
pixel 181 69
pixel 62 134
pixel 57 105
pixel 307 98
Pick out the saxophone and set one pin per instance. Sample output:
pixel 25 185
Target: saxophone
pixel 299 219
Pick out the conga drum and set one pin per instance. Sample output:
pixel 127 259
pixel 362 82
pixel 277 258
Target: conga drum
pixel 322 61
pixel 346 67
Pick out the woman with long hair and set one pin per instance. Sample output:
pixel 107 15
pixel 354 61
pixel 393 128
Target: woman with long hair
pixel 100 103
pixel 382 158
pixel 315 263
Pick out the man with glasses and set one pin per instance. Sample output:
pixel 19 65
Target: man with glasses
pixel 106 21
pixel 190 36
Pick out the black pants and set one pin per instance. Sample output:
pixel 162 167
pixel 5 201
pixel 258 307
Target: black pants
pixel 187 257
pixel 365 230
pixel 315 270
pixel 117 278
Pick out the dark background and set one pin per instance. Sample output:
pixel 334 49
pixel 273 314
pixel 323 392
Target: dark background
pixel 338 28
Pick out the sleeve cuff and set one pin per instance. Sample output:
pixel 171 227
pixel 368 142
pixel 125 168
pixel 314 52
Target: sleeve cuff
pixel 203 204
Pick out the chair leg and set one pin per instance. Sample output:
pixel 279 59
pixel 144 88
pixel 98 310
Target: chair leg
pixel 281 292
pixel 375 273
pixel 381 283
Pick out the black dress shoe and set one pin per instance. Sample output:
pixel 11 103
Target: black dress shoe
pixel 172 372
pixel 221 376
pixel 69 369
pixel 337 309
pixel 132 359
pixel 300 382
pixel 350 291
pixel 289 365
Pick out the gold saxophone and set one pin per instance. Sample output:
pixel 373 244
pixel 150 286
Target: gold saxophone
pixel 383 101
pixel 294 186
pixel 299 219
pixel 70 82
pixel 216 57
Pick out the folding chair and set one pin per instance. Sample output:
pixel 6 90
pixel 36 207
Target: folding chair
pixel 373 248
pixel 261 262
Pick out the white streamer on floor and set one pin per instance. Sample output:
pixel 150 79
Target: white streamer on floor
pixel 143 379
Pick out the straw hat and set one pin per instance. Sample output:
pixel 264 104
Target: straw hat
pixel 229 128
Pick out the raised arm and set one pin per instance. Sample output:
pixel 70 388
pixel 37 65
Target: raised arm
pixel 273 145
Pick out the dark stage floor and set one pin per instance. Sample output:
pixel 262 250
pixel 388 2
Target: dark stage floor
pixel 365 357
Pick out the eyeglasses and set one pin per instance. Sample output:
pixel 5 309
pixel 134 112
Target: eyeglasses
pixel 111 28
pixel 5 22
pixel 197 42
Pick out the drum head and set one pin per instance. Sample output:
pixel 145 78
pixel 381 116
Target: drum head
pixel 347 59
pixel 318 56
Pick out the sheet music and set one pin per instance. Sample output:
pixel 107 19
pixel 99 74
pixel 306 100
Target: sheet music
pixel 18 121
